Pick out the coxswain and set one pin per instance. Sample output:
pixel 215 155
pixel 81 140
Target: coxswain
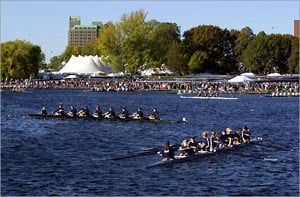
pixel 98 112
pixel 246 134
pixel 124 113
pixel 73 111
pixel 138 114
pixel 44 111
pixel 59 111
pixel 167 152
pixel 110 113
pixel 154 115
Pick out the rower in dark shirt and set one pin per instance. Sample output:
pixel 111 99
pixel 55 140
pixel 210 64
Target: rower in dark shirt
pixel 84 112
pixel 167 152
pixel 193 145
pixel 124 114
pixel 154 115
pixel 229 136
pixel 109 114
pixel 73 111
pixel 223 139
pixel 204 145
pixel 138 115
pixel 246 134
pixel 59 111
pixel 98 112
pixel 44 111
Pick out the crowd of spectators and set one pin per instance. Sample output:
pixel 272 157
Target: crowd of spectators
pixel 182 86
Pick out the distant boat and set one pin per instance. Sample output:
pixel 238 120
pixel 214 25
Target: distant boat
pixel 209 97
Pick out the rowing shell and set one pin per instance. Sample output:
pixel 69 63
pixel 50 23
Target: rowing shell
pixel 209 97
pixel 52 116
pixel 197 155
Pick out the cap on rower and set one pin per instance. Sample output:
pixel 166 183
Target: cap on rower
pixel 228 130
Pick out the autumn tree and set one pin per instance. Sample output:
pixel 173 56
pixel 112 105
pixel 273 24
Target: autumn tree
pixel 20 59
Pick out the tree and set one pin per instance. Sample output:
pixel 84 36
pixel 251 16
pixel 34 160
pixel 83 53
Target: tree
pixel 176 61
pixel 293 59
pixel 243 39
pixel 212 47
pixel 20 59
pixel 159 38
pixel 56 62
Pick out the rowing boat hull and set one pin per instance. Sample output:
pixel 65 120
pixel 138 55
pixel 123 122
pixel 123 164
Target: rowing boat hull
pixel 51 116
pixel 213 98
pixel 179 159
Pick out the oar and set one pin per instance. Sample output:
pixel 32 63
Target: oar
pixel 276 147
pixel 151 151
pixel 256 157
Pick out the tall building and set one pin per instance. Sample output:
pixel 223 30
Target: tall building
pixel 297 28
pixel 79 34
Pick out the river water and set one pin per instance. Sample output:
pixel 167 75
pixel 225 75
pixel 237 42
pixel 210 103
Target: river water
pixel 72 157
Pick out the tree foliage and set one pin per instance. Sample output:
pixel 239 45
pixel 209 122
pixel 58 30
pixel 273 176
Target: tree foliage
pixel 133 44
pixel 20 59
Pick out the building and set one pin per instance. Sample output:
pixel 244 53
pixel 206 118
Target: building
pixel 297 28
pixel 79 35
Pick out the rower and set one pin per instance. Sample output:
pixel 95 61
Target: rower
pixel 72 112
pixel 109 114
pixel 44 111
pixel 193 144
pixel 137 115
pixel 223 139
pixel 184 148
pixel 214 141
pixel 84 112
pixel 205 144
pixel 229 136
pixel 237 138
pixel 98 112
pixel 246 134
pixel 59 111
pixel 168 152
pixel 124 114
pixel 154 115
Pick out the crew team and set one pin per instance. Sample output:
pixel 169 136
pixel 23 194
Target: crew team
pixel 208 143
pixel 84 112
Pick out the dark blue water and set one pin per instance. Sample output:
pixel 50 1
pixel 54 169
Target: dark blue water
pixel 68 157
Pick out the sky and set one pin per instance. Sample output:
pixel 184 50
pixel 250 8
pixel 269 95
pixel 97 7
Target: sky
pixel 45 23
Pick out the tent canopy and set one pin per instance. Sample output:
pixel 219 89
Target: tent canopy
pixel 240 79
pixel 248 74
pixel 274 75
pixel 85 65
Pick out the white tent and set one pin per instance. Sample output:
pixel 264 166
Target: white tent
pixel 274 75
pixel 248 74
pixel 84 65
pixel 240 79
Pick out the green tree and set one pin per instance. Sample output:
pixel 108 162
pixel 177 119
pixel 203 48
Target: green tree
pixel 176 60
pixel 159 38
pixel 243 39
pixel 293 59
pixel 56 62
pixel 213 47
pixel 20 59
pixel 255 56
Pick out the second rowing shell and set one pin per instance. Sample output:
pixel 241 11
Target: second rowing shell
pixel 209 97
